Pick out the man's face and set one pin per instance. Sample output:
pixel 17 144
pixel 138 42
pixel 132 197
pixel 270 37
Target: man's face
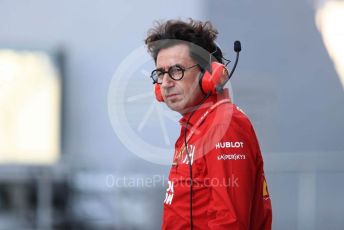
pixel 182 95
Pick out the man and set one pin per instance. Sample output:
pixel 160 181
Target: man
pixel 217 179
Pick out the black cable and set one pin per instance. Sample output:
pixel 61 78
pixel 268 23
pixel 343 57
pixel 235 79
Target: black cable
pixel 227 60
pixel 188 154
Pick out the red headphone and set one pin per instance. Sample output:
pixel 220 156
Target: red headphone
pixel 212 77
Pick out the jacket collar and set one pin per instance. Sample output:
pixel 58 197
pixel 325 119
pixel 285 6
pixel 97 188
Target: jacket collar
pixel 211 100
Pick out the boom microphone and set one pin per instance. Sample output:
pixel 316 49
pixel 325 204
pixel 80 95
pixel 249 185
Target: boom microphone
pixel 237 49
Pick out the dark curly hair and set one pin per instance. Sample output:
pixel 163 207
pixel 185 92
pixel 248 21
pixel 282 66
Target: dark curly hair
pixel 199 36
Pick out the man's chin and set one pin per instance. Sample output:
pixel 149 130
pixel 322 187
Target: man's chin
pixel 175 107
pixel 179 108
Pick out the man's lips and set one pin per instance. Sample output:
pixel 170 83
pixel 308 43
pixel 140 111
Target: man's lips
pixel 171 95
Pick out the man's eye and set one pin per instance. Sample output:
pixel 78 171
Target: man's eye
pixel 159 74
pixel 176 70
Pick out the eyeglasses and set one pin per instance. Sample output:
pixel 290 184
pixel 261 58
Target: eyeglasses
pixel 176 72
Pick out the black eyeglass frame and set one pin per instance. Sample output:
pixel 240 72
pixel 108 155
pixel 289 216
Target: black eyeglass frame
pixel 169 72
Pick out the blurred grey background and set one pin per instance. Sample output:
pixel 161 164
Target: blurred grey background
pixel 286 81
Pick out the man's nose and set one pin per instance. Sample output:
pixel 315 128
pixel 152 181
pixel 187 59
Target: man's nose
pixel 167 81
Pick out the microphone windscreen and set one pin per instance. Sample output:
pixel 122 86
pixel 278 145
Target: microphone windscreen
pixel 237 46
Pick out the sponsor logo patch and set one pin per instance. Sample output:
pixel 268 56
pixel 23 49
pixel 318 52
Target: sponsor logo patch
pixel 169 193
pixel 229 144
pixel 231 157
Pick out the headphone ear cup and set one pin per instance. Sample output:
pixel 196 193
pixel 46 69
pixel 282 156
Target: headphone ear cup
pixel 213 77
pixel 157 92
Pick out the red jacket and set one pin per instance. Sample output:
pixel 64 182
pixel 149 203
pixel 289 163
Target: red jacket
pixel 229 190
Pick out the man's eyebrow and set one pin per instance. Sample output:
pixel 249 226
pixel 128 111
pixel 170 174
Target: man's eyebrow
pixel 178 65
pixel 160 69
pixel 175 65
